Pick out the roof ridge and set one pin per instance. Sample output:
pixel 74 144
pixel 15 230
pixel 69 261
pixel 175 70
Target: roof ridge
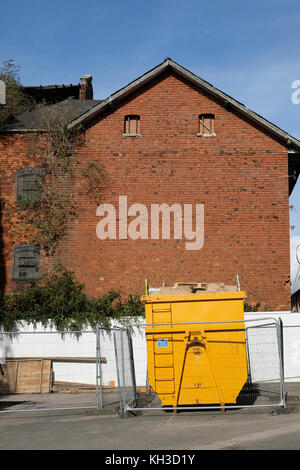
pixel 227 99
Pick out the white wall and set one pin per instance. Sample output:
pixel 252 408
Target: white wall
pixel 43 343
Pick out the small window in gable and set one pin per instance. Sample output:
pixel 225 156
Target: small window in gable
pixel 28 184
pixel 132 125
pixel 26 262
pixel 206 125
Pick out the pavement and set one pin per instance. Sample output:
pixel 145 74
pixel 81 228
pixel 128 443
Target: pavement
pixel 187 432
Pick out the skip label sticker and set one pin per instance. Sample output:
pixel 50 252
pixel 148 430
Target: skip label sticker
pixel 162 343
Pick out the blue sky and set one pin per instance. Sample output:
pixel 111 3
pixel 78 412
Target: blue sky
pixel 249 50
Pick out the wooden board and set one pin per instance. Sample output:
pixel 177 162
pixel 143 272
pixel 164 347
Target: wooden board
pixel 33 374
pixel 9 379
pixel 103 360
pixel 26 376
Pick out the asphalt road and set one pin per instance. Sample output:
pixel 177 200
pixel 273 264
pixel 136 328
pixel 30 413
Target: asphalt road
pixel 257 429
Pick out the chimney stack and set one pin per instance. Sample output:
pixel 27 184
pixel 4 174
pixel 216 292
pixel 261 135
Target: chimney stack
pixel 86 88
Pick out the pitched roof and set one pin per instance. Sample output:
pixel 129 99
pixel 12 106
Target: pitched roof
pixel 82 111
pixel 51 93
pixel 202 84
pixel 34 120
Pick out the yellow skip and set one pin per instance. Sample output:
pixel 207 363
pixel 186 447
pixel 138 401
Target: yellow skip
pixel 201 363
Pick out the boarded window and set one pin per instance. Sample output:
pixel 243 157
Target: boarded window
pixel 28 184
pixel 206 124
pixel 132 124
pixel 26 262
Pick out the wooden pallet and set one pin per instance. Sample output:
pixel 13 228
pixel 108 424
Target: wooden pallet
pixel 26 376
pixel 34 374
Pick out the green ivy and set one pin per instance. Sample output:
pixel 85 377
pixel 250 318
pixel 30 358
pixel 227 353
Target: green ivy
pixel 58 300
pixel 255 308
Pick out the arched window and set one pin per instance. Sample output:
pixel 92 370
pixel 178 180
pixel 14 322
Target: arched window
pixel 132 125
pixel 28 184
pixel 26 262
pixel 206 125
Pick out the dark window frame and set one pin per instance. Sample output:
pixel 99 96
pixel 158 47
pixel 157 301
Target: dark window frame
pixel 127 120
pixel 20 192
pixel 203 130
pixel 30 254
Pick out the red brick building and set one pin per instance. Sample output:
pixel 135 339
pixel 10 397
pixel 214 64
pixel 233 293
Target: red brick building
pixel 168 137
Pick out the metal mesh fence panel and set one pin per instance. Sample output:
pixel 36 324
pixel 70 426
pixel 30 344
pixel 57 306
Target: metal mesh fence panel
pixel 125 367
pixel 186 365
pixel 263 354
pixel 108 383
pixel 49 370
pixel 265 359
pixel 208 365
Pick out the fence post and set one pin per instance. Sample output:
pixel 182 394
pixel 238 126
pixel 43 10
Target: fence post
pixel 249 379
pixel 118 375
pixel 98 371
pixel 123 411
pixel 131 362
pixel 281 361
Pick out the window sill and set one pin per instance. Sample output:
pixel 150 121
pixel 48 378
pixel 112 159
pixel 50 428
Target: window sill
pixel 26 203
pixel 206 135
pixel 132 135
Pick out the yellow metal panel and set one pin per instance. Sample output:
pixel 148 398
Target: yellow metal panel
pixel 196 364
pixel 152 299
pixel 164 373
pixel 199 397
pixel 163 344
pixel 161 307
pixel 164 360
pixel 165 387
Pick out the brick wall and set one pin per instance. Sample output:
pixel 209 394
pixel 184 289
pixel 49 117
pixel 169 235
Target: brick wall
pixel 240 175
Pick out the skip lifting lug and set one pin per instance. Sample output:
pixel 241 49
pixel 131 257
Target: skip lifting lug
pixel 197 340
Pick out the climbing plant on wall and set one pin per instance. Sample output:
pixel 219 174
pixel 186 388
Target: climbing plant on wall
pixel 48 216
pixel 58 300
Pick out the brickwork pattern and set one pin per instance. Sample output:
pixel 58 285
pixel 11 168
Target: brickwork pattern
pixel 240 175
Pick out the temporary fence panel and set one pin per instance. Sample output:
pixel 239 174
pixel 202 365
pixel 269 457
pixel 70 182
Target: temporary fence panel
pixel 56 370
pixel 125 368
pixel 291 340
pixel 262 342
pixel 233 364
pixel 208 365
